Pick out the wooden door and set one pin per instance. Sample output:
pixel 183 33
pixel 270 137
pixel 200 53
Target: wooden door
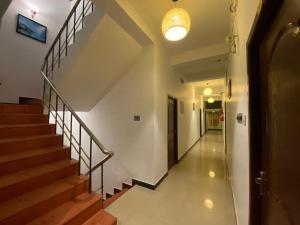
pixel 278 181
pixel 172 132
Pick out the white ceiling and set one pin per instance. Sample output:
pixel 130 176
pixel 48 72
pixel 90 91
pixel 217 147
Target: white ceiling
pixel 210 21
pixel 204 69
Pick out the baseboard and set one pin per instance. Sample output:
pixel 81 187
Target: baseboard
pixel 149 186
pixel 232 193
pixel 189 149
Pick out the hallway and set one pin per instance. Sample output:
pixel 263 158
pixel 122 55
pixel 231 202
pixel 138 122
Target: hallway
pixel 196 192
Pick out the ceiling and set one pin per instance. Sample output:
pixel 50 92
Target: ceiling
pixel 210 20
pixel 204 69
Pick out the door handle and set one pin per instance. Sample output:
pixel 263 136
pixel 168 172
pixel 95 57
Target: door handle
pixel 261 181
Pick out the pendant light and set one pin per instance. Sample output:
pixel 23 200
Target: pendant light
pixel 207 91
pixel 211 100
pixel 176 24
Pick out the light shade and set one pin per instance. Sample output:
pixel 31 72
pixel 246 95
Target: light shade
pixel 211 100
pixel 176 24
pixel 207 91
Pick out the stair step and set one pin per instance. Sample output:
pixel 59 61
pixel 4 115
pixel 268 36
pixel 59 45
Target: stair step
pixel 22 118
pixel 101 218
pixel 73 212
pixel 15 184
pixel 108 195
pixel 28 159
pixel 23 130
pixel 20 109
pixel 128 186
pixel 112 199
pixel 30 101
pixel 13 145
pixel 32 205
pixel 116 191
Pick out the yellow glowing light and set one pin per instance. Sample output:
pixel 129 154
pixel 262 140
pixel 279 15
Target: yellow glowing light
pixel 211 100
pixel 176 24
pixel 209 203
pixel 207 91
pixel 211 174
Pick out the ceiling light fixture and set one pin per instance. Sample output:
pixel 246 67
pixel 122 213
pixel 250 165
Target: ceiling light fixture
pixel 34 10
pixel 207 91
pixel 211 100
pixel 176 24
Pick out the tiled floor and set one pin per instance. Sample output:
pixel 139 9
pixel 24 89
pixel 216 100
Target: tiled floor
pixel 196 192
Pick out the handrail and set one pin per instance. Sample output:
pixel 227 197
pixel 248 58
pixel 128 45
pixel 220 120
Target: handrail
pixel 89 132
pixel 55 58
pixel 63 27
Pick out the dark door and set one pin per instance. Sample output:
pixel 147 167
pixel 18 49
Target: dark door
pixel 279 178
pixel 200 119
pixel 172 132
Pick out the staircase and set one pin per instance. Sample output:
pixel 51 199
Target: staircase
pixel 39 183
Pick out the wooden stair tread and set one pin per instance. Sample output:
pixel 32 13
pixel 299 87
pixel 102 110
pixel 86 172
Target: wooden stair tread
pixel 24 125
pixel 20 176
pixel 29 154
pixel 66 212
pixel 17 139
pixel 23 118
pixel 112 199
pixel 6 108
pixel 13 206
pixel 101 218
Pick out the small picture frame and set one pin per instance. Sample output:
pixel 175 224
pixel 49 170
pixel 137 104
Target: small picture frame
pixel 31 29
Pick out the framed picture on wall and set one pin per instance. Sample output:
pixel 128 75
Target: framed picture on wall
pixel 31 29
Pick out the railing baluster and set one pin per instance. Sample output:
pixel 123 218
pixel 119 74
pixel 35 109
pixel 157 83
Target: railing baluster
pixel 49 103
pixel 79 147
pixel 63 122
pixel 83 8
pixel 102 185
pixel 74 28
pixel 90 169
pixel 47 66
pixel 59 48
pixel 67 37
pixel 71 137
pixel 56 107
pixel 52 63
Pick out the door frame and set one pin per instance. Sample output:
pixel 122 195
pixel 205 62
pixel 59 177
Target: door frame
pixel 257 102
pixel 200 118
pixel 176 137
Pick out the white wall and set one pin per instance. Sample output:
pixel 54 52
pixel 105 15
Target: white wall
pixel 112 122
pixel 238 134
pixel 167 82
pixel 21 57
